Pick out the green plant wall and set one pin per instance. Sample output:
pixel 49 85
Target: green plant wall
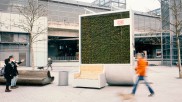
pixel 102 42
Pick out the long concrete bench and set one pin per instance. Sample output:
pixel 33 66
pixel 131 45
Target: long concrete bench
pixel 30 77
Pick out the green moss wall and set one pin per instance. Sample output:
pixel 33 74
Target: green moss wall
pixel 102 43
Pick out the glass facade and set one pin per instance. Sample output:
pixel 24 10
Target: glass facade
pixel 174 51
pixel 111 3
pixel 166 45
pixel 168 38
pixel 147 35
pixel 155 12
pixel 145 23
pixel 165 14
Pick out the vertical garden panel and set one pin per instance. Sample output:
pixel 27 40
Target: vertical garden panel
pixel 102 42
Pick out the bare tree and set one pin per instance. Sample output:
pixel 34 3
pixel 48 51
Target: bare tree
pixel 175 22
pixel 1 23
pixel 32 12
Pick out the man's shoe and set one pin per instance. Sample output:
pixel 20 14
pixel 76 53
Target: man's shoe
pixel 7 90
pixel 152 94
pixel 16 86
pixel 13 87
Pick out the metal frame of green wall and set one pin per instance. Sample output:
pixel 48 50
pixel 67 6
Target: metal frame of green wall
pixel 131 35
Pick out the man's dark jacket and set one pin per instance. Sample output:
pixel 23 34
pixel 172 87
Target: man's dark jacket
pixel 8 71
pixel 14 65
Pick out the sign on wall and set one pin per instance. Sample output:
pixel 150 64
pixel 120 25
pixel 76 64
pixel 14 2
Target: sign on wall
pixel 122 22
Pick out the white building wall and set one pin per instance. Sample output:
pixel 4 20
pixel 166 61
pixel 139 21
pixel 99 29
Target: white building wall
pixel 40 47
pixel 9 23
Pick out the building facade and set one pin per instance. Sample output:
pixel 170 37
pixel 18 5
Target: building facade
pixel 62 23
pixel 168 37
pixel 148 36
pixel 14 38
pixel 63 27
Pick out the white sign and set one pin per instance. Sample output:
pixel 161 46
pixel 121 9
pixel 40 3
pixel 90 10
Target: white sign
pixel 158 53
pixel 122 22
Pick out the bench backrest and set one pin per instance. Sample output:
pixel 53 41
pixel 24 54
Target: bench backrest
pixel 34 74
pixel 91 71
pixel 92 68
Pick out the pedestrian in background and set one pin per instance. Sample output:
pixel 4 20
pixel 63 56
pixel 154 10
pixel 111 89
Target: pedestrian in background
pixel 141 71
pixel 49 63
pixel 8 74
pixel 14 64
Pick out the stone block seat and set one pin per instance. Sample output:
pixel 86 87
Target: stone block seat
pixel 31 77
pixel 90 75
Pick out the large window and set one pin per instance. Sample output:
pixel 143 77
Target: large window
pixel 63 48
pixel 11 37
pixel 166 48
pixel 7 37
pixel 174 47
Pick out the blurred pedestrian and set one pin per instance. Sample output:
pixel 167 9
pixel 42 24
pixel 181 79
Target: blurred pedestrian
pixel 8 74
pixel 49 63
pixel 141 71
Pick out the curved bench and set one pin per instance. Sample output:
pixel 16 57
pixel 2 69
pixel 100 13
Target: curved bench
pixel 118 74
pixel 30 77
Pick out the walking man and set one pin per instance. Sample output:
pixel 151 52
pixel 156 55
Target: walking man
pixel 141 71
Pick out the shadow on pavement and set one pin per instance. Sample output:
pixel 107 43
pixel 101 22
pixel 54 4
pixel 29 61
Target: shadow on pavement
pixel 127 97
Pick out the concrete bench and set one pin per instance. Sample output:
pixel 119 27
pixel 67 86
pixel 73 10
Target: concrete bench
pixel 30 77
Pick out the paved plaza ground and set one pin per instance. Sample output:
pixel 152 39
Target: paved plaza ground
pixel 163 80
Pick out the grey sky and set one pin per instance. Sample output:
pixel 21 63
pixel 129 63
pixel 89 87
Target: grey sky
pixel 139 5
